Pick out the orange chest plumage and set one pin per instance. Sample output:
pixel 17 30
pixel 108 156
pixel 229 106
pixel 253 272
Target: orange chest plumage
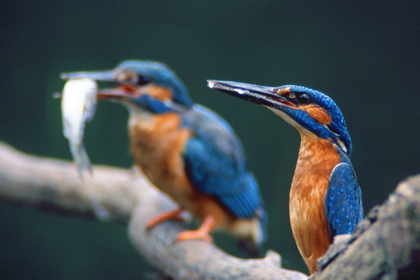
pixel 157 143
pixel 317 158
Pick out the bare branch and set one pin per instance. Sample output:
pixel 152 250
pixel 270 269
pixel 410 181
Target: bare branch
pixel 54 184
pixel 116 194
pixel 386 244
pixel 194 259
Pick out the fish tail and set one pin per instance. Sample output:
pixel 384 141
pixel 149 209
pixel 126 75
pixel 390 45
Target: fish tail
pixel 86 160
pixel 81 158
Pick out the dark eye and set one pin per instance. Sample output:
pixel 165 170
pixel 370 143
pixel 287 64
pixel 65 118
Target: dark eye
pixel 303 98
pixel 142 80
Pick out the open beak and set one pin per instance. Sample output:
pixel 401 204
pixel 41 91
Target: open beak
pixel 122 90
pixel 263 95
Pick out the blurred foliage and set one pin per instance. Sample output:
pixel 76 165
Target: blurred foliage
pixel 363 54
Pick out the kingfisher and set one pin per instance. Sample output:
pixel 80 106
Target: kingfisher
pixel 187 151
pixel 325 199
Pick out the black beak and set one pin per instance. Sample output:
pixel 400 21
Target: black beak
pixel 263 95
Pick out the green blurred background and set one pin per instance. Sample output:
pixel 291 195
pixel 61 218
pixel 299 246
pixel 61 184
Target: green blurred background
pixel 364 54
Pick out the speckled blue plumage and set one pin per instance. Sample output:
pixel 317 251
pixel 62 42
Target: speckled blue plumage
pixel 337 127
pixel 324 180
pixel 216 165
pixel 186 151
pixel 343 200
pixel 214 159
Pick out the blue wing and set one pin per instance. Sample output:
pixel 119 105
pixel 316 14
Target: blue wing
pixel 216 165
pixel 343 201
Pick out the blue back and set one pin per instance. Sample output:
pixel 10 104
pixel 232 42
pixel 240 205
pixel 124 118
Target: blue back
pixel 216 165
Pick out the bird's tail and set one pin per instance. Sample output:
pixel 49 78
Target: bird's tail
pixel 251 235
pixel 249 247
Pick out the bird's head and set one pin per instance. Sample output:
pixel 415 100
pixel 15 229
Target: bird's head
pixel 147 84
pixel 308 110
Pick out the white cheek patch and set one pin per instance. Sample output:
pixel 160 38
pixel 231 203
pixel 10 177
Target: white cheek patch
pixel 343 147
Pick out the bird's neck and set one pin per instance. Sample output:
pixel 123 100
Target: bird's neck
pixel 137 114
pixel 317 157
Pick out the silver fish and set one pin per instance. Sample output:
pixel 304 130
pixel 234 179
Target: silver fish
pixel 78 106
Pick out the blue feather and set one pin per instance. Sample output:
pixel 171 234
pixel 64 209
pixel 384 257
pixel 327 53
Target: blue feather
pixel 337 127
pixel 343 201
pixel 215 163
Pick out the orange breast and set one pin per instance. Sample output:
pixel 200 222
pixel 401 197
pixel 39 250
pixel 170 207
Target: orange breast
pixel 157 143
pixel 317 158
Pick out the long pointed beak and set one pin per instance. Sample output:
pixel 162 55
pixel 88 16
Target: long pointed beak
pixel 124 90
pixel 100 76
pixel 263 95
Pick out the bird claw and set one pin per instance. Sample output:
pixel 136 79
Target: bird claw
pixel 171 215
pixel 200 233
pixel 194 235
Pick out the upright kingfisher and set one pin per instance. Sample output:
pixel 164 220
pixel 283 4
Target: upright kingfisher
pixel 325 199
pixel 186 151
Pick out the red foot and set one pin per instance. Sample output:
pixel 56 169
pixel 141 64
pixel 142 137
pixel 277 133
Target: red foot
pixel 171 215
pixel 201 233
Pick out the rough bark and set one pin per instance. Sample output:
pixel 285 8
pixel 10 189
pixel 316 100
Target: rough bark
pixel 386 245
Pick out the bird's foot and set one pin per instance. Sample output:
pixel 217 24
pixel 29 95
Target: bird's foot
pixel 170 215
pixel 200 233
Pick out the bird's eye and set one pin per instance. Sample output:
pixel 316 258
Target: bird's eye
pixel 303 98
pixel 142 80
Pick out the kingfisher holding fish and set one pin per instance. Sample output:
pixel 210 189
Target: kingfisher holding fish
pixel 187 151
pixel 325 199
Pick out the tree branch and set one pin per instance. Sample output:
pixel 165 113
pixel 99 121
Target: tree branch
pixel 386 244
pixel 54 184
pixel 121 195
